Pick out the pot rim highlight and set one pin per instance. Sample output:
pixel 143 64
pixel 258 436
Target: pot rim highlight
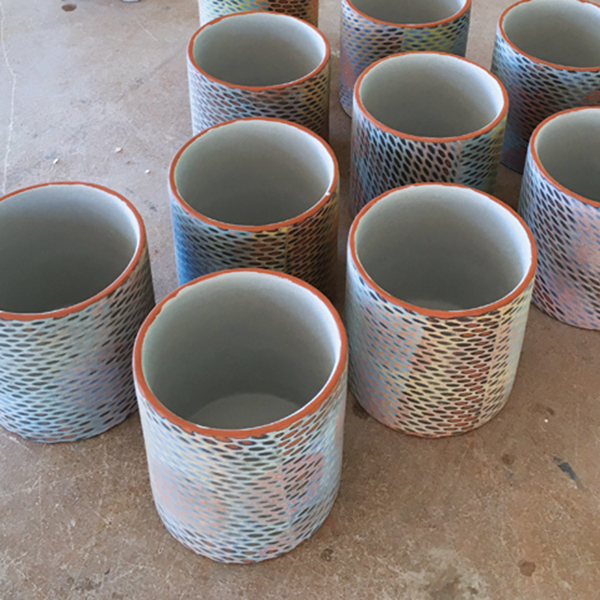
pixel 310 407
pixel 443 314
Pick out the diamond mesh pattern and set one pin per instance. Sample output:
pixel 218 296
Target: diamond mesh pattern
pixel 429 376
pixel 364 41
pixel 303 9
pixel 536 91
pixel 567 234
pixel 382 161
pixel 69 378
pixel 305 103
pixel 246 499
pixel 306 249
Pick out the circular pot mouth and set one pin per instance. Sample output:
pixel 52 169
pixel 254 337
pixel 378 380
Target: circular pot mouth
pixel 240 353
pixel 443 250
pixel 566 147
pixel 564 34
pixel 431 96
pixel 64 246
pixel 258 50
pixel 254 174
pixel 407 13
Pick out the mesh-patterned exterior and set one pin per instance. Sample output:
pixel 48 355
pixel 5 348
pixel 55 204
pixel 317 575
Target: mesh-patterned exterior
pixel 381 161
pixel 364 41
pixel 305 102
pixel 242 500
pixel 306 249
pixel 308 10
pixel 536 90
pixel 429 376
pixel 68 378
pixel 567 234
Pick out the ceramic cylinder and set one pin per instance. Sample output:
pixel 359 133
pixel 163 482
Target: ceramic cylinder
pixel 256 193
pixel 241 379
pixel 259 65
pixel 547 54
pixel 560 201
pixel 439 284
pixel 425 117
pixel 307 10
pixel 374 29
pixel 75 286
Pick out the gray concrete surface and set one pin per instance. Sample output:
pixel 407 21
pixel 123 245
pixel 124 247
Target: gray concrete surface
pixel 510 511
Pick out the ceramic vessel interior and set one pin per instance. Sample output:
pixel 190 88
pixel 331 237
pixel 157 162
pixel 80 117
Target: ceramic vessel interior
pixel 61 245
pixel 240 349
pixel 568 147
pixel 562 32
pixel 254 172
pixel 259 49
pixel 431 95
pixel 409 12
pixel 444 248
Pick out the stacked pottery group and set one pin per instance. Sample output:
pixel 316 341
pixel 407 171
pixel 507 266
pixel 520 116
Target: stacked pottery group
pixel 240 374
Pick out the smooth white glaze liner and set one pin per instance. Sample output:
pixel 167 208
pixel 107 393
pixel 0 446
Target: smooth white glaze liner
pixel 61 245
pixel 568 147
pixel 563 32
pixel 240 349
pixel 443 247
pixel 259 49
pixel 254 172
pixel 431 95
pixel 409 12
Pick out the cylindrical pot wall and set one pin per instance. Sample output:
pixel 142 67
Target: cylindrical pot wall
pixel 560 201
pixel 259 65
pixel 425 117
pixel 308 10
pixel 241 379
pixel 256 193
pixel 75 286
pixel 547 54
pixel 374 29
pixel 439 283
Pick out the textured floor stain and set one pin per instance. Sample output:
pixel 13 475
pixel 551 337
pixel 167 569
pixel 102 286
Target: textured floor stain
pixel 565 467
pixel 526 567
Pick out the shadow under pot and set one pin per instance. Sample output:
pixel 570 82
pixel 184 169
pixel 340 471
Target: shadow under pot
pixel 259 65
pixel 547 54
pixel 241 379
pixel 257 193
pixel 374 29
pixel 439 283
pixel 560 201
pixel 425 117
pixel 75 286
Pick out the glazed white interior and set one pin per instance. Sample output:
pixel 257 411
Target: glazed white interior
pixel 254 172
pixel 259 49
pixel 409 12
pixel 568 147
pixel 240 349
pixel 563 32
pixel 61 245
pixel 443 247
pixel 431 95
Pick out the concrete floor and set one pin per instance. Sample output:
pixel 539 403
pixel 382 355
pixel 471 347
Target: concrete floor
pixel 510 511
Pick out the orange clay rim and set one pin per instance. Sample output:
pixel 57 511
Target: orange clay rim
pixel 443 314
pixel 310 407
pixel 530 56
pixel 540 166
pixel 456 15
pixel 259 88
pixel 74 308
pixel 255 228
pixel 440 140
